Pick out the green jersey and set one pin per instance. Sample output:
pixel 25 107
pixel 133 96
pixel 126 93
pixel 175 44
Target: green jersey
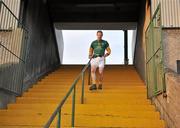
pixel 99 47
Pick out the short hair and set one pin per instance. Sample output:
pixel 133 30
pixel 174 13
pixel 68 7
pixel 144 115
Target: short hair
pixel 99 31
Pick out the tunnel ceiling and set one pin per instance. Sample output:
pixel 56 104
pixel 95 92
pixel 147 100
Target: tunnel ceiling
pixel 94 10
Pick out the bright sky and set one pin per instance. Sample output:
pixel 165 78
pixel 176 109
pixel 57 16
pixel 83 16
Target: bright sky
pixel 77 43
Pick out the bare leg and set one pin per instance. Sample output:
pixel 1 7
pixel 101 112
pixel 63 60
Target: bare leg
pixel 101 69
pixel 93 74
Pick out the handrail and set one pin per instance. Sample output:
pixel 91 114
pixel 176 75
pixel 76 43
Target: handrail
pixel 72 89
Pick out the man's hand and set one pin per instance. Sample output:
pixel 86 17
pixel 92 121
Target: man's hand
pixel 90 56
pixel 107 54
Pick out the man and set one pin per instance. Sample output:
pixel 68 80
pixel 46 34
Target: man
pixel 97 53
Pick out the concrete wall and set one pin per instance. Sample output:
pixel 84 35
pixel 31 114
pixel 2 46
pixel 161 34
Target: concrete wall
pixel 60 42
pixel 169 106
pixel 6 98
pixel 42 52
pixel 140 48
pixel 171 45
pixel 134 42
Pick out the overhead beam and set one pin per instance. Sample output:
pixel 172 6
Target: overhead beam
pixel 95 26
pixel 96 17
pixel 94 1
pixel 82 5
pixel 94 10
pixel 90 10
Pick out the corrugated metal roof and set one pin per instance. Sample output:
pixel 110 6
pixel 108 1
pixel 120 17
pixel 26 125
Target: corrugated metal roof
pixel 13 5
pixel 170 11
pixel 8 21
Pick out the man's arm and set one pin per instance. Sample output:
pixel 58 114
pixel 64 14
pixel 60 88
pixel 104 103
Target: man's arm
pixel 90 52
pixel 108 51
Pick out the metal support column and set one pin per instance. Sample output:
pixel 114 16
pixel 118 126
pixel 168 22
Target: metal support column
pixel 126 60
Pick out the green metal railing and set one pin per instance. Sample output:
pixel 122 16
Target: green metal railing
pixel 72 90
pixel 154 56
pixel 13 43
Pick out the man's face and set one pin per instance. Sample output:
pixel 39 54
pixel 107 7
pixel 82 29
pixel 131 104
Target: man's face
pixel 99 35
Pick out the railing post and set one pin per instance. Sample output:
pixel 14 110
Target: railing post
pixel 82 91
pixel 59 119
pixel 73 106
pixel 72 91
pixel 89 74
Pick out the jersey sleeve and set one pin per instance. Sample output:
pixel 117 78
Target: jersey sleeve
pixel 91 46
pixel 91 49
pixel 107 44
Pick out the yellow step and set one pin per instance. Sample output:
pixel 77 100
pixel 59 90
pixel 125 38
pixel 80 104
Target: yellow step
pixel 126 91
pixel 58 86
pixel 97 106
pixel 91 95
pixel 109 121
pixel 85 121
pixel 54 82
pixel 82 110
pixel 87 100
pixel 121 103
pixel 21 126
pixel 33 106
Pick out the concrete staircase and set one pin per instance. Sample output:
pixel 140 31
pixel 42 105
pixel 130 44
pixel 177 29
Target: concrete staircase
pixel 121 104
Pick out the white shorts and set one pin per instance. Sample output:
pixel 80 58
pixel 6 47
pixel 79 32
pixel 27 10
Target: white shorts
pixel 98 62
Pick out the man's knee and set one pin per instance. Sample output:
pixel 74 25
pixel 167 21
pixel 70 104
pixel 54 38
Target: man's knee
pixel 93 69
pixel 101 69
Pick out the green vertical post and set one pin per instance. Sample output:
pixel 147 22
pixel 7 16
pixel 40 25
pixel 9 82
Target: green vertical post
pixel 59 119
pixel 82 91
pixel 73 106
pixel 89 74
